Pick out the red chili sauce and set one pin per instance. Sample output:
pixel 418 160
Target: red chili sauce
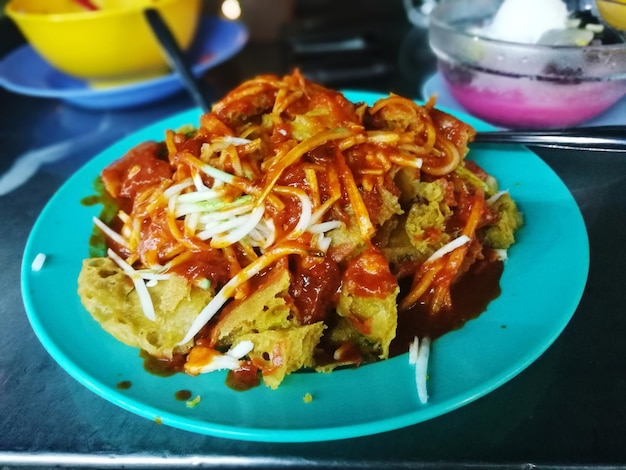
pixel 470 297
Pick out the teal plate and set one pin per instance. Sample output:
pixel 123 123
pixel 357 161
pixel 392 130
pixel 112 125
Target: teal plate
pixel 465 364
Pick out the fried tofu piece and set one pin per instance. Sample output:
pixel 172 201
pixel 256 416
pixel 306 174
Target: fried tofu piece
pixel 388 205
pixel 264 309
pixel 346 240
pixel 109 296
pixel 367 305
pixel 281 344
pixel 417 235
pixel 278 353
pixel 501 233
pixel 426 221
pixel 453 129
pixel 369 322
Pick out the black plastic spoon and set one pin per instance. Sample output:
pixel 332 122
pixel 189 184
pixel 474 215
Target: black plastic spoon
pixel 175 56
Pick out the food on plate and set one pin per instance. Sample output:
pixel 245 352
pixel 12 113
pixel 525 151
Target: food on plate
pixel 293 229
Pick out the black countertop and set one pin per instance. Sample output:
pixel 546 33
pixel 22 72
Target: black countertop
pixel 567 410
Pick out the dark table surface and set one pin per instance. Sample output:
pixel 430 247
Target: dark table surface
pixel 568 409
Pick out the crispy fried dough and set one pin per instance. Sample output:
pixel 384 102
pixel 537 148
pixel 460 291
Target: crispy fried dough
pixel 109 296
pixel 264 309
pixel 280 352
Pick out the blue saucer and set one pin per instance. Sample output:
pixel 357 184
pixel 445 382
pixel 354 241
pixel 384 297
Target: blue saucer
pixel 24 71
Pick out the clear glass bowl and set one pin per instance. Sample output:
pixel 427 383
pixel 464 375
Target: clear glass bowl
pixel 522 85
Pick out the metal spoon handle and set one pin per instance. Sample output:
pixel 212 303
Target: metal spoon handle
pixel 597 138
pixel 175 56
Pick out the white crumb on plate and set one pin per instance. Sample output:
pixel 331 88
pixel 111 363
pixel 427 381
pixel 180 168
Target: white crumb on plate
pixel 38 262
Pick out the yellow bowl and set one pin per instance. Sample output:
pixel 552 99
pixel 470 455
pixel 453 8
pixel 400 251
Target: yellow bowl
pixel 613 12
pixel 106 46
